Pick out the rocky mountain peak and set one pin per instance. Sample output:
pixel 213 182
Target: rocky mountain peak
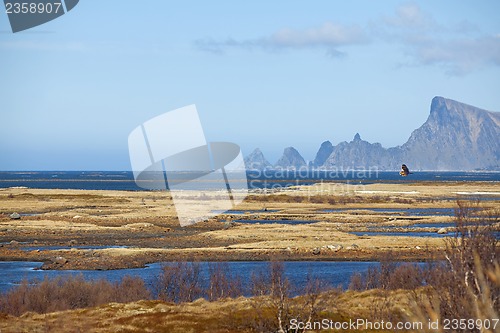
pixel 325 150
pixel 455 136
pixel 291 159
pixel 256 160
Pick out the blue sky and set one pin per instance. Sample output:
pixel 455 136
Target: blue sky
pixel 266 74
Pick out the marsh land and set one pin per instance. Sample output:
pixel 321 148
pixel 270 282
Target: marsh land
pixel 90 229
pixel 110 229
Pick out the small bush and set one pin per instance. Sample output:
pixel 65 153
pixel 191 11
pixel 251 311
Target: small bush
pixel 65 293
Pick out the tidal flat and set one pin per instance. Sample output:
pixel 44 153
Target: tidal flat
pixel 108 229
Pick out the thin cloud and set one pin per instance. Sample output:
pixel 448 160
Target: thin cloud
pixel 458 49
pixel 29 45
pixel 458 56
pixel 329 36
pixel 410 16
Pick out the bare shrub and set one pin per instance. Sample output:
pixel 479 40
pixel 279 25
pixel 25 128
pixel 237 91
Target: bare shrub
pixel 307 307
pixel 222 283
pixel 272 291
pixel 467 284
pixel 273 304
pixel 65 293
pixel 131 289
pixel 179 282
pixel 472 250
pixel 482 309
pixel 389 275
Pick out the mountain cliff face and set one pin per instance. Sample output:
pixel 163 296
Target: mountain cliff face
pixel 456 136
pixel 256 161
pixel 291 159
pixel 325 150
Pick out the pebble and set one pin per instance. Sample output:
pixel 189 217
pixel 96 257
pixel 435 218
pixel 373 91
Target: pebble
pixel 15 216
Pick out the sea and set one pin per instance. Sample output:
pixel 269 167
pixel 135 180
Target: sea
pixel 124 180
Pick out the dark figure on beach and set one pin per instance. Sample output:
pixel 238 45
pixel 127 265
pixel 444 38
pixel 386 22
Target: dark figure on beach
pixel 404 171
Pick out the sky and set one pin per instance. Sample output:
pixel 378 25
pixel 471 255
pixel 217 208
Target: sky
pixel 267 74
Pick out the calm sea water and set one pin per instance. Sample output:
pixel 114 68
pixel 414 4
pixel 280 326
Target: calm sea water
pixel 335 273
pixel 124 180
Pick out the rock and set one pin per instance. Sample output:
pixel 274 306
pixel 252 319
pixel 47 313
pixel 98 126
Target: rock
pixel 325 150
pixel 354 246
pixel 256 161
pixel 291 160
pixel 139 225
pixel 316 251
pixel 418 247
pixel 442 231
pixel 72 242
pixel 15 216
pixel 14 243
pixel 60 260
pixel 77 217
pixel 334 247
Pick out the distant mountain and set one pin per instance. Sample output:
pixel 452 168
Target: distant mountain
pixel 360 154
pixel 325 150
pixel 256 160
pixel 291 159
pixel 456 136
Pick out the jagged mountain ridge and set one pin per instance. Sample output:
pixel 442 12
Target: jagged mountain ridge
pixel 455 136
